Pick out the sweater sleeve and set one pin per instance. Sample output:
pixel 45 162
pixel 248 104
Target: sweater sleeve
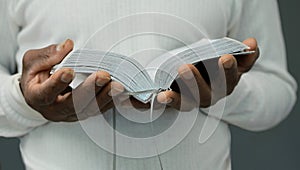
pixel 266 94
pixel 16 117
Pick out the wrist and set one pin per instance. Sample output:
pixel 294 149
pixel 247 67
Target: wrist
pixel 16 105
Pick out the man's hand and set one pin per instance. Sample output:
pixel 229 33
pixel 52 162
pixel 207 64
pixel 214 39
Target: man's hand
pixel 51 95
pixel 233 68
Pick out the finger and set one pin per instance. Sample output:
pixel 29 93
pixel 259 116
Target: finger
pixel 54 85
pixel 229 64
pixel 126 101
pixel 115 102
pixel 106 94
pixel 93 107
pixel 197 86
pixel 55 117
pixel 71 118
pixel 101 103
pixel 44 59
pixel 251 43
pixel 82 116
pixel 139 105
pixel 67 90
pixel 88 90
pixel 91 110
pixel 62 50
pixel 175 100
pixel 58 112
pixel 132 102
pixel 107 106
pixel 246 62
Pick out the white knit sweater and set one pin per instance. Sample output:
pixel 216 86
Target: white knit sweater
pixel 263 97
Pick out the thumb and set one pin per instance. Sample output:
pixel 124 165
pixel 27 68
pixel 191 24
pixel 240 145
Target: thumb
pixel 44 59
pixel 246 62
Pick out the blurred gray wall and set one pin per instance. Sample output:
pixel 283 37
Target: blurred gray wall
pixel 276 149
pixel 279 148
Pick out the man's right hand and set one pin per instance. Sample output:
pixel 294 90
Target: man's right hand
pixel 50 94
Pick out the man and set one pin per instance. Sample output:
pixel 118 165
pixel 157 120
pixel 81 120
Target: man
pixel 38 107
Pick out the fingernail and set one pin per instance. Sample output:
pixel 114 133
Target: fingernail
pixel 67 76
pixel 102 80
pixel 163 99
pixel 186 73
pixel 61 46
pixel 115 90
pixel 227 63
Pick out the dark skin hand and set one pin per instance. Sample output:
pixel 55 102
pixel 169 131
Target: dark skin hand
pixel 234 68
pixel 197 89
pixel 51 96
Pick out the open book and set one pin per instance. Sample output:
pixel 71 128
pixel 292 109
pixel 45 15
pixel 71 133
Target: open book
pixel 159 74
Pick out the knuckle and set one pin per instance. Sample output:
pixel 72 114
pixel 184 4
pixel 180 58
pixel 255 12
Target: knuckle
pixel 54 83
pixel 50 50
pixel 29 53
pixel 28 57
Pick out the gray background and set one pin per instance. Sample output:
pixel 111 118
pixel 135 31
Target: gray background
pixel 276 149
pixel 279 148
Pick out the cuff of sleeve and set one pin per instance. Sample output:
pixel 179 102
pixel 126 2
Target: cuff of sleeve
pixel 16 107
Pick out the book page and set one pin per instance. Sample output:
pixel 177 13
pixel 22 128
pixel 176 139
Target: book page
pixel 199 51
pixel 122 69
pixel 159 74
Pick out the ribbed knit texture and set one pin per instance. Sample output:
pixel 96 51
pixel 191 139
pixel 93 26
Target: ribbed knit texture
pixel 262 99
